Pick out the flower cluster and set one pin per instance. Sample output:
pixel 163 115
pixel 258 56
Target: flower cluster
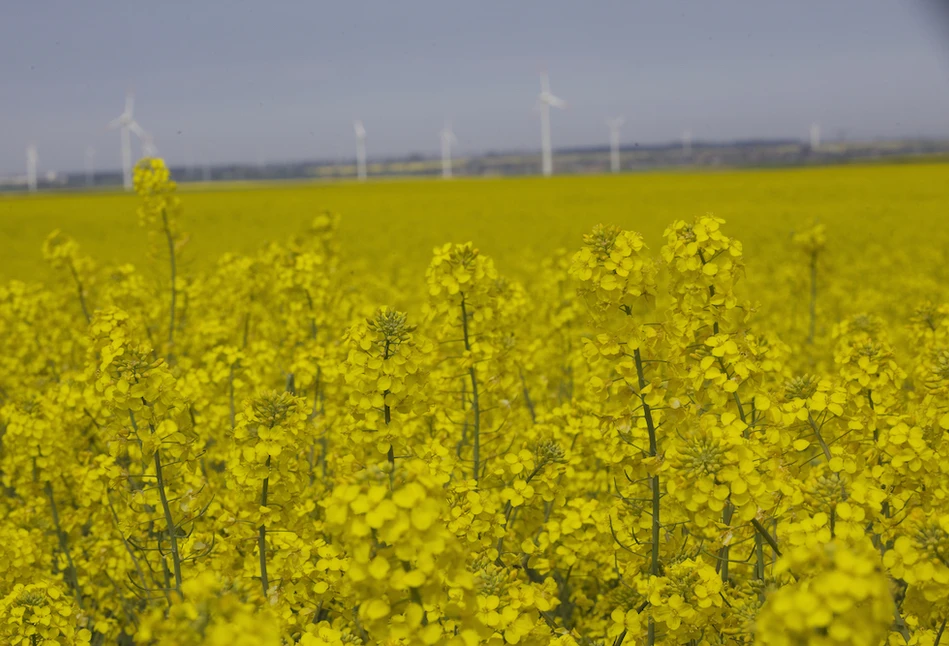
pixel 836 594
pixel 39 613
pixel 385 372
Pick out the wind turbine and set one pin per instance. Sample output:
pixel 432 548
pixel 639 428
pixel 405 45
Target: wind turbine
pixel 815 136
pixel 546 102
pixel 148 142
pixel 614 125
pixel 448 138
pixel 31 159
pixel 90 165
pixel 148 146
pixel 687 144
pixel 124 122
pixel 360 150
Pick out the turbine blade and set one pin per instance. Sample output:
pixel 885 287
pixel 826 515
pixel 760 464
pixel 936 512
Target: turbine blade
pixel 555 102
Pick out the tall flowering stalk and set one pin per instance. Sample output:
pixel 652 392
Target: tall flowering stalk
pixel 150 431
pixel 618 283
pixel 463 307
pixel 158 213
pixel 62 252
pixel 266 465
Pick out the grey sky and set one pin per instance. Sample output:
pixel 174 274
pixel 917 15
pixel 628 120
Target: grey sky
pixel 268 81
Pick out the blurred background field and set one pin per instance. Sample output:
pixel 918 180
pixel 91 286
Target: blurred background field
pixel 893 216
pixel 888 242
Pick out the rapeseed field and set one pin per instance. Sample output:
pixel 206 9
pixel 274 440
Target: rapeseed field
pixel 657 409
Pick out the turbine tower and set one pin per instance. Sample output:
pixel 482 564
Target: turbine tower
pixel 360 150
pixel 124 122
pixel 448 138
pixel 31 159
pixel 90 165
pixel 815 136
pixel 687 144
pixel 614 125
pixel 546 101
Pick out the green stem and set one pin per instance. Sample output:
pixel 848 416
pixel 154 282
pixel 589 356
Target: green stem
pixel 390 454
pixel 527 396
pixel 475 405
pixel 387 412
pixel 63 543
pixel 476 428
pixel 262 535
pixel 82 292
pixel 172 528
pixel 759 558
pixel 174 274
pixel 711 292
pixel 765 535
pixel 903 630
pixel 820 438
pixel 726 551
pixel 309 302
pixel 464 427
pixel 942 629
pixel 654 485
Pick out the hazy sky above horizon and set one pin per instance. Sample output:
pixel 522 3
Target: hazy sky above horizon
pixel 252 81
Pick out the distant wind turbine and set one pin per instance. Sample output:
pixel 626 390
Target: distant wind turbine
pixel 90 165
pixel 31 159
pixel 148 146
pixel 148 142
pixel 448 139
pixel 546 101
pixel 614 125
pixel 687 144
pixel 360 150
pixel 125 123
pixel 815 136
